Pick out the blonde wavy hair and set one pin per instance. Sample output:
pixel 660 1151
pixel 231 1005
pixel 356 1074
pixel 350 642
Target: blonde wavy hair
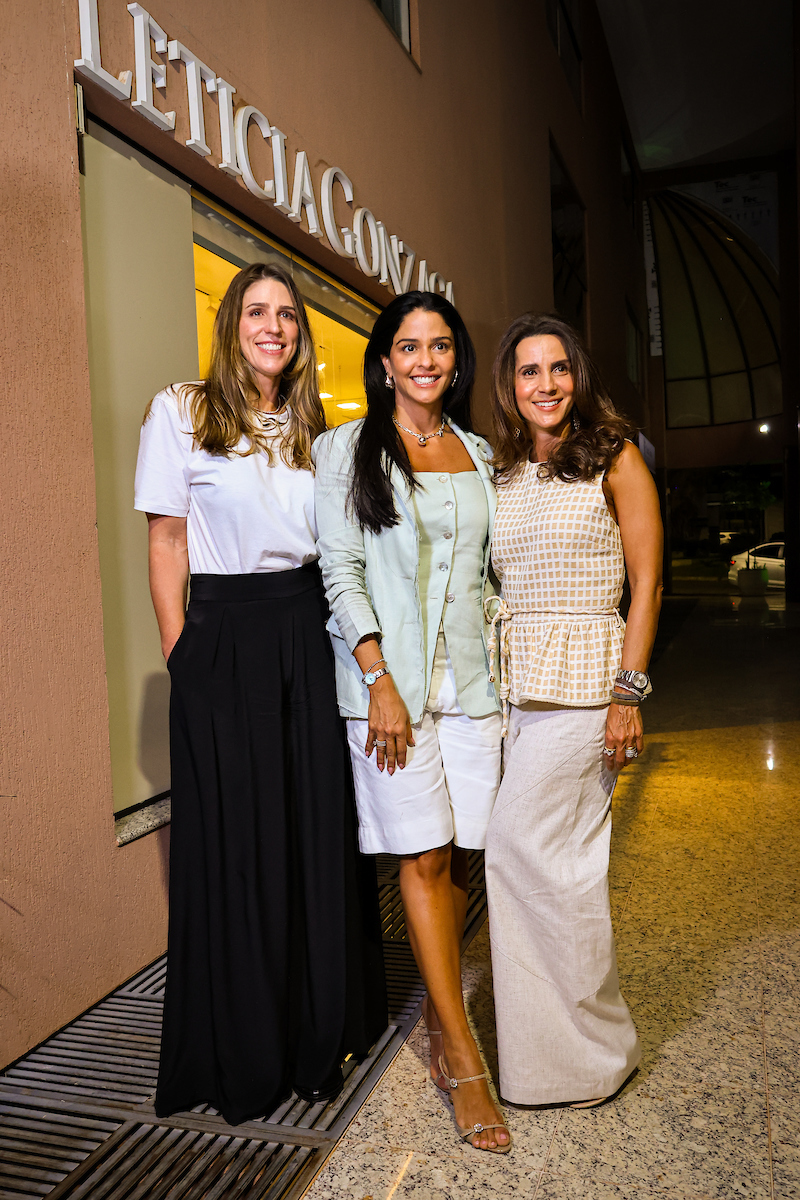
pixel 222 406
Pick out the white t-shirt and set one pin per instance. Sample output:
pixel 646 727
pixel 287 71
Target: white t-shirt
pixel 244 514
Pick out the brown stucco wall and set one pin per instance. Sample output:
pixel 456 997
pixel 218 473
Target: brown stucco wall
pixel 78 914
pixel 452 157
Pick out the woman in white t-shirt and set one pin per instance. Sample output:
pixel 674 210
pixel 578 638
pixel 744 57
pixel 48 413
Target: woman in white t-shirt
pixel 274 970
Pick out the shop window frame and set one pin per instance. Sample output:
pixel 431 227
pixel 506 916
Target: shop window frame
pixel 563 25
pixel 204 205
pixel 627 157
pixel 576 265
pixel 402 21
pixel 634 348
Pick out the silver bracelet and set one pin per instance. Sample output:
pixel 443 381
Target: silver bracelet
pixel 624 698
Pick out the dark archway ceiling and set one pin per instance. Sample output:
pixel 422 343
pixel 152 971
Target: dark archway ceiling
pixel 703 82
pixel 720 315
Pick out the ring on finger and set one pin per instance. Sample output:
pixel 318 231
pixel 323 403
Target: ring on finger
pixel 380 745
pixel 631 752
pixel 609 750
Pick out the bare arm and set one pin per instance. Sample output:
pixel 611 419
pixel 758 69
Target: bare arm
pixel 633 501
pixel 169 576
pixel 389 721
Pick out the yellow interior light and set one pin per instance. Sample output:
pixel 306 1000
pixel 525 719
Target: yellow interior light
pixel 343 346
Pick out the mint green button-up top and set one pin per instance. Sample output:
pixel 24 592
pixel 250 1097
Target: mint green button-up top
pixel 372 583
pixel 453 525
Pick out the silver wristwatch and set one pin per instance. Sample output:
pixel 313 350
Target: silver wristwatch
pixel 370 676
pixel 639 680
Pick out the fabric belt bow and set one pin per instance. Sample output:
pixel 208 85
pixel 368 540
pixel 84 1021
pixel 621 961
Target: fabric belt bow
pixel 504 615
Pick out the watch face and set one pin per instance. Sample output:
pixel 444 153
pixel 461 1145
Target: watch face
pixel 639 679
pixel 369 678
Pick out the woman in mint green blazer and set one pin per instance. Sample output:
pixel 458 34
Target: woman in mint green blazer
pixel 405 503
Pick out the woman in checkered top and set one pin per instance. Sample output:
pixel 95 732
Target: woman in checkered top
pixel 576 507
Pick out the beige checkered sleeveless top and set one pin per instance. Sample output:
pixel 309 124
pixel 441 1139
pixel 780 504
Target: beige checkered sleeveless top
pixel 558 554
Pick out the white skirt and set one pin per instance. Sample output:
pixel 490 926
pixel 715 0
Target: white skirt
pixel 564 1032
pixel 448 786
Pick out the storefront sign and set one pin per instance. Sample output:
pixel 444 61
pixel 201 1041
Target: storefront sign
pixel 375 251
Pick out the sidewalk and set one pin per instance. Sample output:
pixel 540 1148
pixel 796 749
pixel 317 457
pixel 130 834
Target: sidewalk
pixel 705 899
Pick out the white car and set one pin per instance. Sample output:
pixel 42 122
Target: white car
pixel 769 555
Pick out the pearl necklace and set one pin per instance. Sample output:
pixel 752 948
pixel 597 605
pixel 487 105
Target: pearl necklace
pixel 422 438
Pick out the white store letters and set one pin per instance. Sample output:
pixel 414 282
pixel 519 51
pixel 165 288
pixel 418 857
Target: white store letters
pixel 368 243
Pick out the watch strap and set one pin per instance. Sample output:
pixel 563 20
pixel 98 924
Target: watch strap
pixel 628 679
pixel 370 677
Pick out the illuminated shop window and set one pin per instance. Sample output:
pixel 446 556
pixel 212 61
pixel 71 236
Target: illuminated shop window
pixel 569 246
pixel 341 322
pixel 396 13
pixel 564 27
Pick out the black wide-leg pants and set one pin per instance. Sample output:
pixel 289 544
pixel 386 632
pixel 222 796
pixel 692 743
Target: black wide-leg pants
pixel 275 968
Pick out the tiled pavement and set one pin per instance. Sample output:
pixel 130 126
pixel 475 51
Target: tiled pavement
pixel 705 873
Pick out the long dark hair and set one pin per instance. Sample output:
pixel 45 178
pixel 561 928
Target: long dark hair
pixel 379 446
pixel 598 433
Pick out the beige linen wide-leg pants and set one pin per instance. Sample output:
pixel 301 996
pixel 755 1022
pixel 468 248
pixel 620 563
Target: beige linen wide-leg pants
pixel 564 1032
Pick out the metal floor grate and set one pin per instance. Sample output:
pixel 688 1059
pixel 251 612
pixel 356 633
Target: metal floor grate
pixel 76 1117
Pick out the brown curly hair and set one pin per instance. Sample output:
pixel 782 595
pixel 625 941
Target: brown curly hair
pixel 598 433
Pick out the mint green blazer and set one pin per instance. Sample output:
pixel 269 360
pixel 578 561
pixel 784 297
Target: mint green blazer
pixel 371 581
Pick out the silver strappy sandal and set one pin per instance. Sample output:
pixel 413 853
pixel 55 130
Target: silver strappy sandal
pixel 469 1131
pixel 431 1034
pixel 441 1087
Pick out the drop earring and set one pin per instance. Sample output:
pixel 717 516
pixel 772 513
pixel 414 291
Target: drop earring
pixel 455 377
pixel 576 421
pixel 388 382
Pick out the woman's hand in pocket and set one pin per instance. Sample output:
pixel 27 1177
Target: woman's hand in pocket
pixel 169 641
pixel 169 576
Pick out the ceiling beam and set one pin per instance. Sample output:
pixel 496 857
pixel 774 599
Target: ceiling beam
pixel 656 181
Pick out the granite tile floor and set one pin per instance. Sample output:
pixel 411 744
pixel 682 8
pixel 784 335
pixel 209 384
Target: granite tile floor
pixel 704 884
